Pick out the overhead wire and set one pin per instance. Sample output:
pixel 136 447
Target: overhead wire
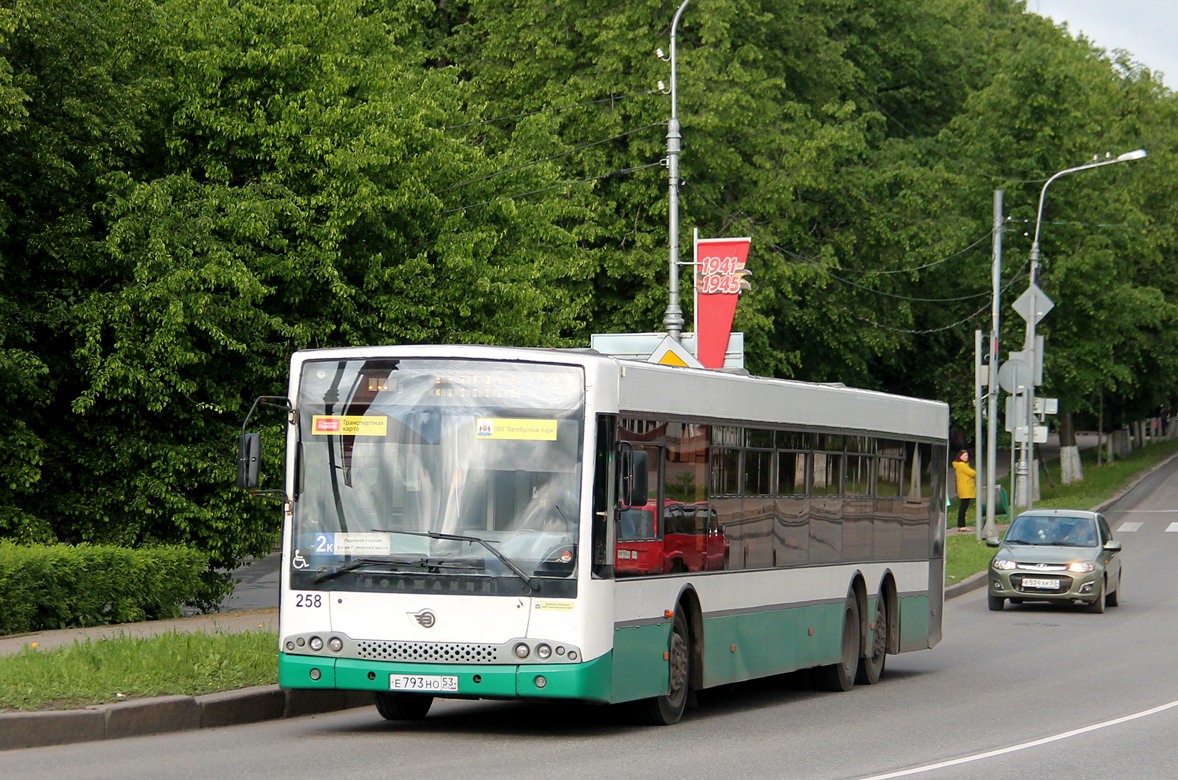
pixel 923 332
pixel 910 299
pixel 988 236
pixel 894 296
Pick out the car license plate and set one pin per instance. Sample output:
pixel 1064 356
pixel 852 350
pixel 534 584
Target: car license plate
pixel 1040 584
pixel 424 683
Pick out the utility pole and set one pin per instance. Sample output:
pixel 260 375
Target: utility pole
pixel 982 376
pixel 992 396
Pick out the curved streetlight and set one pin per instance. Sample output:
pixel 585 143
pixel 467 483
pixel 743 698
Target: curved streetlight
pixel 1022 492
pixel 673 319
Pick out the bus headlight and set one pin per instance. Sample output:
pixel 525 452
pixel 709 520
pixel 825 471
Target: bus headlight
pixel 544 651
pixel 522 650
pixel 315 643
pixel 335 644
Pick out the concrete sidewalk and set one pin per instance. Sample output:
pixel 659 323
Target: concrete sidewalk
pixel 222 622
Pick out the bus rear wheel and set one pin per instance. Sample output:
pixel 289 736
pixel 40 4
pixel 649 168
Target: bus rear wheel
pixel 668 709
pixel 403 706
pixel 841 676
pixel 871 666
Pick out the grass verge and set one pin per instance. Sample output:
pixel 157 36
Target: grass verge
pixel 120 668
pixel 966 556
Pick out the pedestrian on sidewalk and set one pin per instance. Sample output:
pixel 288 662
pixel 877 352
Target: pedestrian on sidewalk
pixel 966 485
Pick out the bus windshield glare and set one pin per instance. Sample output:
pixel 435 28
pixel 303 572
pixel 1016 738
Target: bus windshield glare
pixel 439 466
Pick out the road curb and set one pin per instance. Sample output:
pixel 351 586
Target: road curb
pixel 970 583
pixel 141 717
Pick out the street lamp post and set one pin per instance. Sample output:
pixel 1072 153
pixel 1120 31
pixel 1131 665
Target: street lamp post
pixel 1024 478
pixel 673 319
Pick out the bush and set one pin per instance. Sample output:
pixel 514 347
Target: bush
pixel 64 586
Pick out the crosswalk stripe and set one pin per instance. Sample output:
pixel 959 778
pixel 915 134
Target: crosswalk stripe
pixel 1172 528
pixel 1128 527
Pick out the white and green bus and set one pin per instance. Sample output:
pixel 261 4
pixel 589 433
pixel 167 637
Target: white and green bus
pixel 501 523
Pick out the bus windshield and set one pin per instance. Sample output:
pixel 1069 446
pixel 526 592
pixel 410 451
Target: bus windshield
pixel 445 466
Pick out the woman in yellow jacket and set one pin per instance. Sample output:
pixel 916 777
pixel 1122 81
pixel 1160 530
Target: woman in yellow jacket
pixel 966 486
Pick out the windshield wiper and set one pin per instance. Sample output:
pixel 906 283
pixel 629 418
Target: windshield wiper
pixel 515 569
pixel 331 572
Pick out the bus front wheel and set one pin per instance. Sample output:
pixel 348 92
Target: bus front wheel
pixel 403 706
pixel 668 709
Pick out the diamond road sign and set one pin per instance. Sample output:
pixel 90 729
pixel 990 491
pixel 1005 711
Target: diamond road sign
pixel 1043 304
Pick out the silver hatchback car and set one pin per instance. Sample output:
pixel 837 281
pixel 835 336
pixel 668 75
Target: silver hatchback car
pixel 1056 555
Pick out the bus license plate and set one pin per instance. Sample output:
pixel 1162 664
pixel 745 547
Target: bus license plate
pixel 1040 584
pixel 424 683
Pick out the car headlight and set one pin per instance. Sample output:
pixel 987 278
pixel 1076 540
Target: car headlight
pixel 1003 564
pixel 1081 567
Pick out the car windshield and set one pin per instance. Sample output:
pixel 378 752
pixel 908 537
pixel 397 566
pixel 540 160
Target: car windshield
pixel 1053 531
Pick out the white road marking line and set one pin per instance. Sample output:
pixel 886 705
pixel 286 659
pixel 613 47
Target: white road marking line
pixel 1025 745
pixel 1172 528
pixel 1129 527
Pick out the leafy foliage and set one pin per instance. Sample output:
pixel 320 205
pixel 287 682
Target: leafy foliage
pixel 58 586
pixel 190 190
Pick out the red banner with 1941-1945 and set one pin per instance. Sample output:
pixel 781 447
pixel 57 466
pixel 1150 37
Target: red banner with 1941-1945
pixel 720 278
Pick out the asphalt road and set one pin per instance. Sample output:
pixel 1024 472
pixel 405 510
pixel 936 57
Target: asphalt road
pixel 1030 691
pixel 256 585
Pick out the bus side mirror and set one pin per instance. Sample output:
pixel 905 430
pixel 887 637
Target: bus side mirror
pixel 249 460
pixel 634 485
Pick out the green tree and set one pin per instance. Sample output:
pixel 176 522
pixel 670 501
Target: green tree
pixel 1054 102
pixel 279 177
pixel 191 189
pixel 68 113
pixel 804 126
pixel 20 367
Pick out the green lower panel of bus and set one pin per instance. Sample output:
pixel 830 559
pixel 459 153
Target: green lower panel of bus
pixel 758 644
pixel 589 681
pixel 736 647
pixel 914 623
pixel 640 667
pixel 749 644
